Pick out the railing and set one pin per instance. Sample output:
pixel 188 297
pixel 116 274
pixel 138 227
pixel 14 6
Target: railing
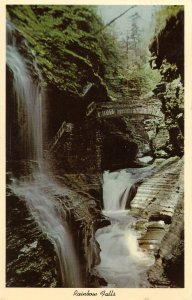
pixel 65 127
pixel 120 111
pixel 90 108
pixel 110 109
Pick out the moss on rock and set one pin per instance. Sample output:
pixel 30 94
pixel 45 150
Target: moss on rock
pixel 69 49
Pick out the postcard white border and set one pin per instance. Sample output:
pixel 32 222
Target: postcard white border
pixel 123 293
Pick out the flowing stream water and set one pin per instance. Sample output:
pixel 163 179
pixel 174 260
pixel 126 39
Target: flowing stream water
pixel 123 263
pixel 38 189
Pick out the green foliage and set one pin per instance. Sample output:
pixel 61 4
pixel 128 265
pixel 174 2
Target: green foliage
pixel 174 97
pixel 142 78
pixel 63 37
pixel 165 13
pixel 139 77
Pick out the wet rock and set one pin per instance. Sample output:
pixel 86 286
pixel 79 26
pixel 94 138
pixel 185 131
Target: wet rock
pixel 151 240
pixel 85 218
pixel 30 256
pixel 158 207
pixel 99 223
pixel 171 88
pixel 159 192
pixel 146 159
pixel 172 247
pixel 161 141
pixel 158 216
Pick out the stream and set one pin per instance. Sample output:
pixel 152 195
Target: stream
pixel 123 263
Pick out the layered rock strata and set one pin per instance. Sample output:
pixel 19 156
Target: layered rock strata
pixel 171 88
pixel 31 258
pixel 158 207
pixel 84 218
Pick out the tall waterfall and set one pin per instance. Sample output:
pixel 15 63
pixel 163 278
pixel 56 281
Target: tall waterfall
pixel 28 94
pixel 123 264
pixel 39 191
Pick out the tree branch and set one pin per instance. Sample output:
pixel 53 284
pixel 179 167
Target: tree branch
pixel 113 20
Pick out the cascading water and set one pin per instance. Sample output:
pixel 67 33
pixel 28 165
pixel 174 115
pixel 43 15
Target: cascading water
pixel 28 94
pixel 40 194
pixel 118 183
pixel 38 190
pixel 123 264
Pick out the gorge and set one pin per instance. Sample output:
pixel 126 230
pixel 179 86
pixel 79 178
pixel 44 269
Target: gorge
pixel 94 154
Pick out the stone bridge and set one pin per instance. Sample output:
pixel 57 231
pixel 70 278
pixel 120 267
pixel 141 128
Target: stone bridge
pixel 102 110
pixel 116 109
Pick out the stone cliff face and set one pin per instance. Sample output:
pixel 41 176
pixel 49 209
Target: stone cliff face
pixel 170 90
pixel 94 144
pixel 84 218
pixel 162 201
pixel 31 259
pixel 158 207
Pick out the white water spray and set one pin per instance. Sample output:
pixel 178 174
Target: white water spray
pixel 115 185
pixel 40 192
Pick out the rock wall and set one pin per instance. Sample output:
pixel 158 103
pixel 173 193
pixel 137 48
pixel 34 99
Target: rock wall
pixel 159 200
pixel 77 150
pixel 30 257
pixel 86 219
pixel 97 144
pixel 158 207
pixel 167 49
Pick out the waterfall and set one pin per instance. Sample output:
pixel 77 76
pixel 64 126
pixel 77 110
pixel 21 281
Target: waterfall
pixel 115 185
pixel 123 263
pixel 38 190
pixel 40 193
pixel 28 94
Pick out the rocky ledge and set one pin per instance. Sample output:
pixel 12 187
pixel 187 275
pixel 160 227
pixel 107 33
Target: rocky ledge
pixel 158 207
pixel 84 219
